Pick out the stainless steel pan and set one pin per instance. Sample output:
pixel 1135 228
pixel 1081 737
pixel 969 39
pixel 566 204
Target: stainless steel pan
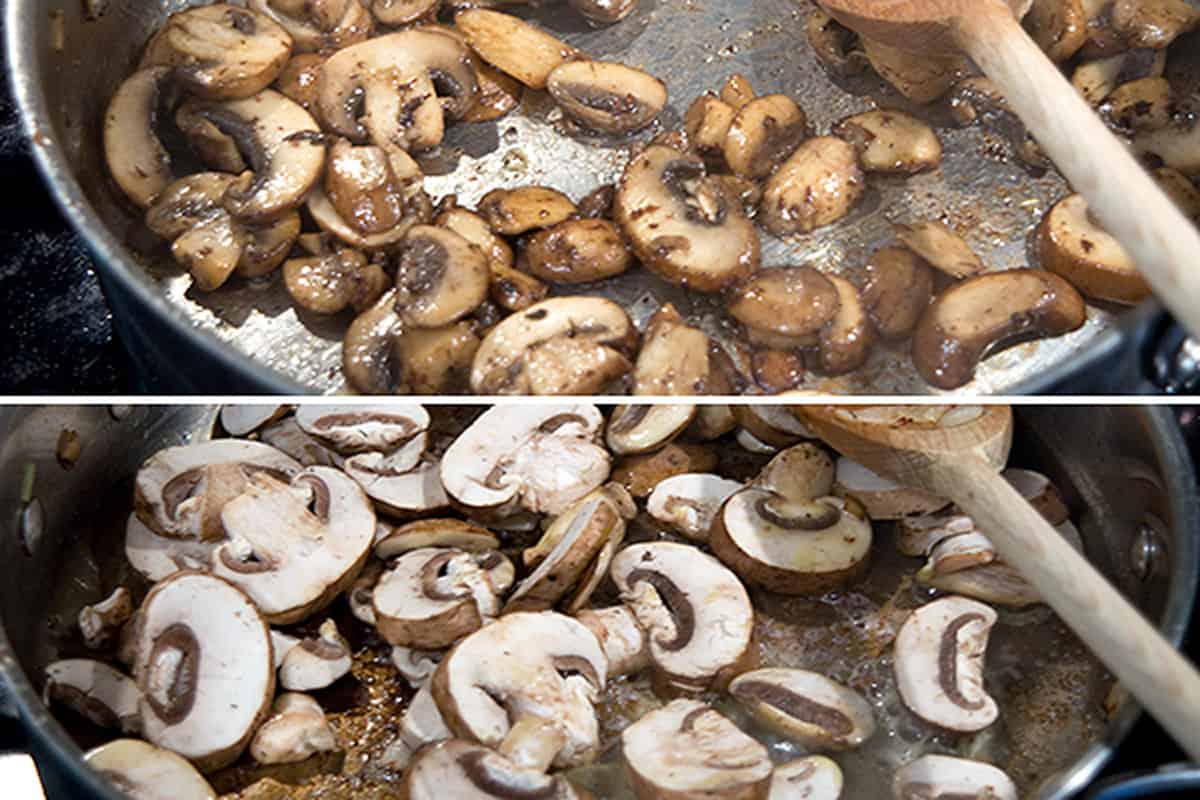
pixel 257 338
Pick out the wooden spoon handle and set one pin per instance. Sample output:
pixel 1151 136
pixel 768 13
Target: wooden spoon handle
pixel 1146 664
pixel 1123 196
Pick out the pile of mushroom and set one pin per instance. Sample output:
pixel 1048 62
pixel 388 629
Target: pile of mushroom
pixel 566 556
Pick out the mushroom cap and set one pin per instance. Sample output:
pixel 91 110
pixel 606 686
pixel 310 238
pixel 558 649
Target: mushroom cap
pixel 688 749
pixel 156 557
pixel 808 778
pixel 543 667
pixel 440 277
pixel 697 615
pixel 397 490
pixel 315 663
pixel 939 663
pixel 467 771
pixel 806 707
pixel 197 699
pixel 881 497
pixel 136 157
pixel 540 458
pixel 352 429
pixel 296 730
pixel 689 502
pixel 142 771
pixel 640 428
pixel 294 547
pixel 946 776
pixel 802 472
pixel 96 691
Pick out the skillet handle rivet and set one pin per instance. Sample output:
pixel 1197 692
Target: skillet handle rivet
pixel 1146 552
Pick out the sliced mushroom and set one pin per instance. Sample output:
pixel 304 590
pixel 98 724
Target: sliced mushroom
pixel 1145 104
pixel 136 157
pixel 696 613
pixel 243 419
pixel 640 429
pixel 299 81
pixel 707 124
pixel 1096 80
pixel 417 666
pixel 156 556
pixel 281 645
pixel 1060 27
pixel 1153 24
pixel 835 45
pixel 101 622
pixel 1073 245
pixel 526 684
pixel 576 251
pixel 808 778
pixel 1040 492
pixel 986 313
pixel 681 222
pixel 294 547
pixel 817 186
pixel 402 188
pixel 921 77
pixel 773 425
pixel 604 12
pixel 957 553
pixel 440 277
pixel 621 637
pixel 944 777
pixel 453 533
pixel 1176 146
pixel 141 771
pixel 287 437
pixel 96 692
pixel 737 91
pixel 673 359
pixel 364 188
pixel 516 211
pixel 607 96
pixel 321 24
pixel 640 474
pixel 194 702
pixel 316 662
pixel 806 707
pixel 794 302
pixel 1180 188
pixel 846 340
pixel 802 472
pixel 764 132
pixel 939 664
pixel 332 282
pixel 514 46
pixel 395 487
pixel 689 502
pixel 565 345
pixel 891 142
pixel 459 769
pixel 918 535
pixel 689 749
pixel 940 247
pixel 898 287
pixel 883 498
pixel 420 725
pixel 351 429
pixel 296 730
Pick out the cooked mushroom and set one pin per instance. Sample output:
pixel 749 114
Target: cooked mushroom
pixel 100 622
pixel 1060 27
pixel 764 132
pixel 846 340
pixel 316 662
pixel 296 730
pixel 96 692
pixel 940 247
pixel 281 644
pixel 294 547
pixel 1141 105
pixel 1176 146
pixel 1097 79
pixel 364 187
pixel 689 502
pixel 984 314
pixel 793 302
pixel 605 12
pixel 299 81
pixel 737 91
pixel 898 286
pixel 640 474
pixel 806 707
pixel 978 99
pixel 1155 24
pixel 513 45
pixel 576 251
pixel 918 535
pixel 516 211
pixel 697 615
pixel 939 664
pixel 440 277
pixel 331 282
pixel 891 142
pixel 403 12
pixel 194 702
pixel 938 776
pixel 607 96
pixel 835 45
pixel 565 345
pixel 707 124
pixel 882 498
pixel 1180 188
pixel 452 533
pixel 351 429
pixel 136 157
pixel 682 224
pixel 319 24
pixel 460 769
pixel 920 77
pixel 510 288
pixel 621 638
pixel 640 429
pixel 1073 245
pixel 808 778
pixel 817 186
pixel 689 749
pixel 791 546
pixel 141 771
pixel 673 359
pixel 957 553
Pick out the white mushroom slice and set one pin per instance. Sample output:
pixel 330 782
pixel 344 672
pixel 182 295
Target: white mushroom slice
pixel 640 429
pixel 296 730
pixel 433 597
pixel 455 533
pixel 697 615
pixel 957 553
pixel 772 425
pixel 362 590
pixel 802 472
pixel 420 725
pixel 96 691
pixel 1177 147
pixel 242 420
pixel 363 429
pixel 180 491
pixel 539 458
pixel 141 771
pixel 201 705
pixel 939 664
pixel 882 498
pixel 941 248
pixel 790 546
pixel 281 645
pixel 416 666
pixel 294 547
pixel 286 436
pixel 101 622
pixel 752 444
pixel 315 663
pixel 944 777
pixel 467 771
pixel 689 749
pixel 621 637
pixel 806 707
pixel 917 536
pixel 689 502
pixel 136 157
pixel 398 489
pixel 526 684
pixel 808 778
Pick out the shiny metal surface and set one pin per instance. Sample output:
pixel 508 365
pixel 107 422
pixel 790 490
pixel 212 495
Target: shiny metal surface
pixel 692 45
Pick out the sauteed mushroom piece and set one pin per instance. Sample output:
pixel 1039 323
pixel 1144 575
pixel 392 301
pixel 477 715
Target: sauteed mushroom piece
pixel 792 302
pixel 364 186
pixel 835 45
pixel 808 778
pixel 1096 80
pixel 939 664
pixel 316 662
pixel 606 96
pixel 1145 104
pixel 817 186
pixel 319 24
pixel 920 77
pixel 136 157
pixel 1180 188
pixel 891 142
pixel 299 81
pixel 707 124
pixel 689 749
pixel 806 707
pixel 516 211
pixel 898 287
pixel 764 132
pixel 452 533
pixel 640 429
pixel 351 429
pixel 1060 27
pixel 331 282
pixel 682 224
pixel 696 613
pixel 737 91
pixel 605 12
pixel 1176 146
pixel 1073 245
pixel 440 277
pixel 846 340
pixel 202 706
pixel 100 622
pixel 690 502
pixel 940 247
pixel 95 691
pixel 576 251
pixel 621 637
pixel 945 776
pixel 513 45
pixel 459 769
pixel 971 319
pixel 881 497
pixel 1153 23
pixel 673 359
pixel 142 771
pixel 640 474
pixel 403 12
pixel 296 730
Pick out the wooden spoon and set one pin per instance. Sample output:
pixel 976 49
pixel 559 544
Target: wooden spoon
pixel 1125 199
pixel 956 453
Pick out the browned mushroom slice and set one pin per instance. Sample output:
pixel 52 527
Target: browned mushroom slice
pixel 976 317
pixel 817 186
pixel 891 141
pixel 1096 80
pixel 946 776
pixel 806 707
pixel 403 12
pixel 576 251
pixel 1060 27
pixel 921 78
pixel 737 91
pixel 1154 24
pixel 319 24
pixel 681 222
pixel 1073 245
pixel 514 46
pixel 440 277
pixel 789 301
pixel 605 12
pixel 607 96
pixel 763 133
pixel 435 361
pixel 1176 146
pixel 140 769
pixel 332 282
pixel 136 158
pixel 846 340
pixel 516 211
pixel 466 771
pixel 835 45
pixel 898 286
pixel 707 125
pixel 940 247
pixel 1142 105
pixel 673 359
pixel 298 81
pixel 364 188
pixel 367 349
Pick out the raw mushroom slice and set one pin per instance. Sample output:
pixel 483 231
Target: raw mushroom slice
pixel 1073 245
pixel 281 645
pixel 416 666
pixel 141 771
pixel 539 458
pixel 640 429
pixel 957 553
pixel 201 705
pixel 95 691
pixel 432 597
pixel 395 489
pixel 454 533
pixel 939 664
pixel 1040 492
pixel 180 491
pixel 773 425
pixel 808 778
pixel 688 749
pixel 296 730
pixel 526 685
pixel 918 535
pixel 420 725
pixel 316 662
pixel 947 777
pixel 891 142
pixel 242 420
pixel 156 557
pixel 360 596
pixel 100 623
pixel 607 96
pixel 791 546
pixel 363 428
pixel 469 771
pixel 295 547
pixel 883 498
pixel 287 437
pixel 940 247
pixel 697 615
pixel 689 502
pixel 621 637
pixel 806 707
pixel 752 444
pixel 136 157
pixel 802 472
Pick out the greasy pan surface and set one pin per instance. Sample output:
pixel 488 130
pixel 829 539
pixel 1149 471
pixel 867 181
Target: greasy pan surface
pixel 693 46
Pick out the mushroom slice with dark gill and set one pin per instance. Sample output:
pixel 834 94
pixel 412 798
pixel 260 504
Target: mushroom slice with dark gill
pixel 621 637
pixel 882 498
pixel 296 730
pixel 352 429
pixel 95 691
pixel 806 707
pixel 460 769
pixel 440 277
pixel 940 247
pixel 689 749
pixel 316 25
pixel 576 251
pixel 156 556
pixel 317 661
pixel 606 96
pixel 808 778
pixel 141 771
pixel 196 700
pixel 641 429
pixel 938 776
pixel 802 472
